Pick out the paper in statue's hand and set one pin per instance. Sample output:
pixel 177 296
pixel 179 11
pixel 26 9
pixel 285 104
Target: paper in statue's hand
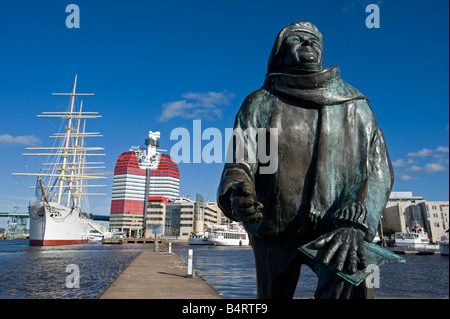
pixel 375 255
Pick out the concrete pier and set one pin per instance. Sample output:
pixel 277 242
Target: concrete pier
pixel 128 241
pixel 158 275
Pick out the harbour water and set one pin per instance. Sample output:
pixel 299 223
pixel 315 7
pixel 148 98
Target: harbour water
pixel 41 272
pixel 231 270
pixel 32 272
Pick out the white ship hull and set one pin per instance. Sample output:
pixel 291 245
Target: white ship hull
pixel 199 241
pixel 417 239
pixel 412 243
pixel 53 224
pixel 228 235
pixel 228 242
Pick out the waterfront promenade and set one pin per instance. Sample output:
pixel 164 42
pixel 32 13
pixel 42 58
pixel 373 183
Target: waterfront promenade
pixel 158 275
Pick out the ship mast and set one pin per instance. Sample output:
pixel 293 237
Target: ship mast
pixel 72 154
pixel 74 162
pixel 81 169
pixel 67 140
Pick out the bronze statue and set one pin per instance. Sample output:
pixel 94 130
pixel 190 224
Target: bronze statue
pixel 333 179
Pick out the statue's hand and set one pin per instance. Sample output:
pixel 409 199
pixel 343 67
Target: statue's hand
pixel 352 212
pixel 347 245
pixel 244 205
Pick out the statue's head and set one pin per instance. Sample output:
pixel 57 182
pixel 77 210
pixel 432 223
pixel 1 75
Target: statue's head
pixel 297 49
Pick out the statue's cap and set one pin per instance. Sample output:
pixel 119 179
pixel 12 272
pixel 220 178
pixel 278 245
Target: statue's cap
pixel 294 27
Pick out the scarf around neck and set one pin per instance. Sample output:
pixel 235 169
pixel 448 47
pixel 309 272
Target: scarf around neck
pixel 315 90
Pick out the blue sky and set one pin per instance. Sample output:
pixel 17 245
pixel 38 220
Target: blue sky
pixel 159 65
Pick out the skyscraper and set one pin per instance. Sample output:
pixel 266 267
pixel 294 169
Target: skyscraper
pixel 130 180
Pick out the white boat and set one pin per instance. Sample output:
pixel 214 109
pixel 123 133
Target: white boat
pixel 228 235
pixel 60 214
pixel 443 244
pixel 199 238
pixel 95 235
pixel 416 238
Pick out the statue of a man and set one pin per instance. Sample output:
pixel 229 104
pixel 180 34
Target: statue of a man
pixel 333 179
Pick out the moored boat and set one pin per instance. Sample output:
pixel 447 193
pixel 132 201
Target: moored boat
pixel 199 238
pixel 416 238
pixel 228 235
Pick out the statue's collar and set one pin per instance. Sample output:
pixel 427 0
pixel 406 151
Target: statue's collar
pixel 316 89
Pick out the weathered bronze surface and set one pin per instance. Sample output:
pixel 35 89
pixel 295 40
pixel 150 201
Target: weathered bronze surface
pixel 333 178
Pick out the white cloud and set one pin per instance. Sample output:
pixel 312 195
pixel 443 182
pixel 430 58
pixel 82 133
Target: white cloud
pixel 442 149
pixel 402 163
pixel 426 160
pixel 428 168
pixel 426 152
pixel 174 109
pixel 415 168
pixel 422 153
pixel 196 106
pixel 7 139
pixel 209 99
pixel 405 178
pixel 434 168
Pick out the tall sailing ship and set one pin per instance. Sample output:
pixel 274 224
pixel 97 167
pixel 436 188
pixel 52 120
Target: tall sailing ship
pixel 60 214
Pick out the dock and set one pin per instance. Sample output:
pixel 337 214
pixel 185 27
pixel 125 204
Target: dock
pixel 119 241
pixel 159 275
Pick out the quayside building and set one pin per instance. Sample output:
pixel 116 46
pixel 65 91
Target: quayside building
pixel 404 211
pixel 177 219
pixel 146 177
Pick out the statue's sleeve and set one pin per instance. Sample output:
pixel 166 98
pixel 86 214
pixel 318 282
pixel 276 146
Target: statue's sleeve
pixel 241 163
pixel 380 181
pixel 374 193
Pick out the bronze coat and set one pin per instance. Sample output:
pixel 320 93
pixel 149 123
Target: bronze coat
pixel 331 155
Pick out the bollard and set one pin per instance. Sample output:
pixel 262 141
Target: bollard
pixel 190 271
pixel 170 248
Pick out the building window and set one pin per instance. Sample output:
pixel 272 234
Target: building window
pixel 416 213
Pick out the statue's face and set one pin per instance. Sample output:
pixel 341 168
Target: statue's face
pixel 302 52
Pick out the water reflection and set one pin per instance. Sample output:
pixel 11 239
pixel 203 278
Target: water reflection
pixel 40 272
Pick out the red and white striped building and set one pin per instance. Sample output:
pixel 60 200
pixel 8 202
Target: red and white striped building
pixel 130 173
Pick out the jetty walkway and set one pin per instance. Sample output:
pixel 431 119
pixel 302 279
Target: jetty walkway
pixel 158 275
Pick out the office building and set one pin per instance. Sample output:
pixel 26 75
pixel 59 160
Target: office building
pixel 131 174
pixel 405 211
